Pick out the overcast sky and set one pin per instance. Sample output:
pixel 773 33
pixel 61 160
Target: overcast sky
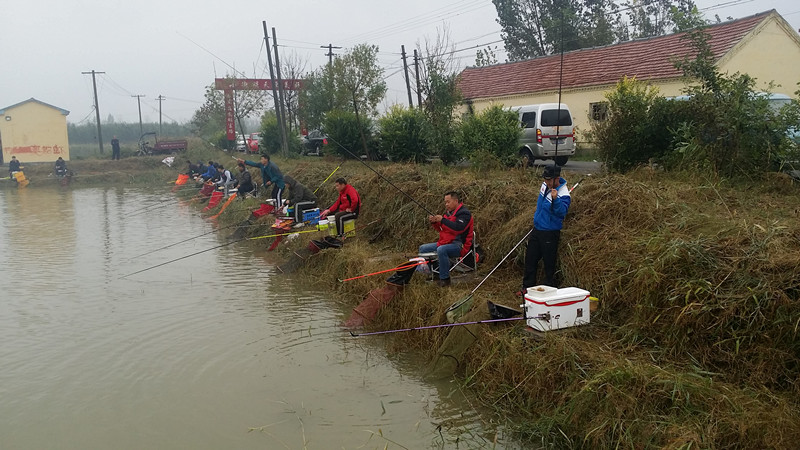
pixel 176 48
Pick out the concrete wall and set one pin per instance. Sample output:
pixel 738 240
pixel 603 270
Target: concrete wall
pixel 34 132
pixel 770 53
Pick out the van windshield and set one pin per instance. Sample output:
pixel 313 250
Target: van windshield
pixel 552 118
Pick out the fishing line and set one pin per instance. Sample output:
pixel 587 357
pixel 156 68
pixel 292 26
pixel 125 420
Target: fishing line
pixel 400 267
pixel 182 257
pixel 447 325
pixel 381 176
pixel 181 242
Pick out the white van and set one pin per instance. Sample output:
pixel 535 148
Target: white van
pixel 547 132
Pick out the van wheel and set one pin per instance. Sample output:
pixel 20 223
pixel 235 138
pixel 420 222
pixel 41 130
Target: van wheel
pixel 525 158
pixel 562 160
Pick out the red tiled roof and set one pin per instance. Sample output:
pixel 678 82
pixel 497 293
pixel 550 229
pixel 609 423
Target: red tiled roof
pixel 644 58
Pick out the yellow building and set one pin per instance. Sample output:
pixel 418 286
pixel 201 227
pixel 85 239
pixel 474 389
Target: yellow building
pixel 764 46
pixel 33 131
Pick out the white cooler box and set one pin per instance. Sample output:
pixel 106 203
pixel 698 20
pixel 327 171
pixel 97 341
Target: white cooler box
pixel 548 308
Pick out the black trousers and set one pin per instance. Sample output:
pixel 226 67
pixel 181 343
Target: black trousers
pixel 541 245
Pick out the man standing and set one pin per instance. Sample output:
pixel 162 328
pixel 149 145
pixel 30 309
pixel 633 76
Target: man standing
pixel 455 229
pixel 270 175
pixel 346 207
pixel 551 208
pixel 13 166
pixel 115 148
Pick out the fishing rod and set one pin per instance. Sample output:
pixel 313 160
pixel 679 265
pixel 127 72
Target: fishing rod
pixel 400 267
pixel 185 240
pixel 447 325
pixel 502 261
pixel 281 234
pixel 382 177
pixel 326 179
pixel 182 257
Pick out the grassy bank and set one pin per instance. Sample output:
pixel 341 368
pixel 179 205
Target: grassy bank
pixel 695 343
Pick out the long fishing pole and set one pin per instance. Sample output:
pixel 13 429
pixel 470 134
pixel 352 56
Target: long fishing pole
pixel 382 177
pixel 326 179
pixel 560 79
pixel 182 257
pixel 447 325
pixel 501 261
pixel 281 234
pixel 185 240
pixel 400 267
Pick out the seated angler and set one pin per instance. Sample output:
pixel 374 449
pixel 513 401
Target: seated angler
pixel 226 179
pixel 246 186
pixel 346 207
pixel 211 173
pixel 455 229
pixel 300 197
pixel 61 167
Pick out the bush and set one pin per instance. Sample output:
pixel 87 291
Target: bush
pixel 494 131
pixel 638 125
pixel 342 130
pixel 403 134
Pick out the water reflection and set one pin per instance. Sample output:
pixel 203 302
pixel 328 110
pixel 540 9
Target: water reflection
pixel 214 351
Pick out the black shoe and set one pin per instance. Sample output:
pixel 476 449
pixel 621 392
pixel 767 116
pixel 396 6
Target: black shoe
pixel 443 282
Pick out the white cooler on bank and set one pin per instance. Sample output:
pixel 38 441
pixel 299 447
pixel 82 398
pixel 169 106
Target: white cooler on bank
pixel 548 308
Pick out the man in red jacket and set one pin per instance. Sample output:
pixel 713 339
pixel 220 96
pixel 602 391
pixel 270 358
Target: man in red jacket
pixel 346 207
pixel 455 230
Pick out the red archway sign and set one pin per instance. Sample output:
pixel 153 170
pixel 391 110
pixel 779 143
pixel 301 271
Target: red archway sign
pixel 228 85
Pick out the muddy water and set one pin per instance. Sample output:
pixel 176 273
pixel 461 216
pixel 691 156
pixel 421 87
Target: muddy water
pixel 214 351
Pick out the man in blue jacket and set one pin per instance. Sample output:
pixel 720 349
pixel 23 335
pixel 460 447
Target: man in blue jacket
pixel 270 175
pixel 551 208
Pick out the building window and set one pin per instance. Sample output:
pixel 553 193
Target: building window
pixel 599 111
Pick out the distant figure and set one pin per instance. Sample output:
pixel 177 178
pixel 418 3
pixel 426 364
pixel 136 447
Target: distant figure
pixel 226 179
pixel 211 173
pixel 270 175
pixel 13 166
pixel 115 148
pixel 61 167
pixel 455 230
pixel 193 169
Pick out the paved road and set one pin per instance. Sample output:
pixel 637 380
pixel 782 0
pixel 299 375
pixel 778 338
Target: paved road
pixel 582 167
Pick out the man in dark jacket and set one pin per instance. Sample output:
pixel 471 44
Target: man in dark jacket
pixel 455 229
pixel 270 175
pixel 300 197
pixel 551 209
pixel 13 166
pixel 246 185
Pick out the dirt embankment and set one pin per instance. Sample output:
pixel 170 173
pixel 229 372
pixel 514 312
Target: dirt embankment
pixel 696 339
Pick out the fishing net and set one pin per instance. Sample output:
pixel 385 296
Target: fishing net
pixel 451 353
pixel 214 200
pixel 374 301
pixel 295 261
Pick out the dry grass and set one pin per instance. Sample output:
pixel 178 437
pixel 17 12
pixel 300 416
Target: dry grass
pixel 696 341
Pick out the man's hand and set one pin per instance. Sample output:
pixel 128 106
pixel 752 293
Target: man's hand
pixel 324 214
pixel 240 160
pixel 269 183
pixel 553 194
pixel 435 219
pixel 348 210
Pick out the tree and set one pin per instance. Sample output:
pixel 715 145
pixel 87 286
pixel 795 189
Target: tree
pixel 210 118
pixel 649 18
pixel 486 56
pixel 441 97
pixel 293 66
pixel 532 28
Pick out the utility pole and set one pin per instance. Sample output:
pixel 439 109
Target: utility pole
pixel 282 123
pixel 160 98
pixel 96 108
pixel 272 79
pixel 330 53
pixel 139 102
pixel 416 69
pixel 405 71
